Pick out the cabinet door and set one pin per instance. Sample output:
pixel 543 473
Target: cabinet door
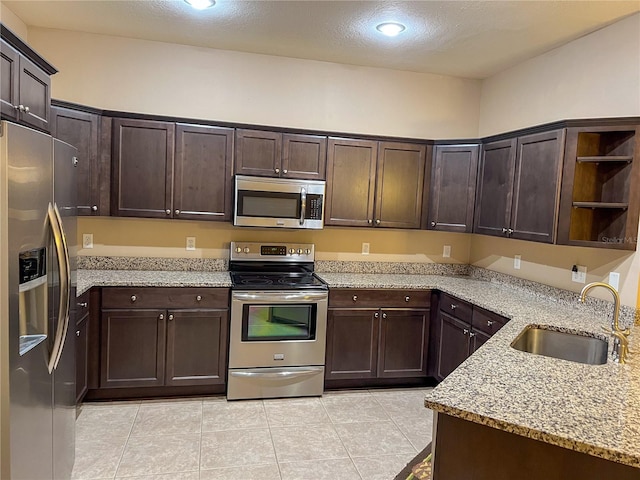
pixel 80 129
pixel 9 80
pixel 399 184
pixel 142 178
pixel 304 156
pixel 352 344
pixel 203 173
pixel 536 192
pixel 196 347
pixel 132 348
pixel 351 171
pixel 453 188
pixel 453 348
pixel 82 356
pixel 404 339
pixel 495 188
pixel 35 95
pixel 258 153
pixel 477 339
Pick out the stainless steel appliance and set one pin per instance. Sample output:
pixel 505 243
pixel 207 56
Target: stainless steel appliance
pixel 278 322
pixel 278 202
pixel 37 288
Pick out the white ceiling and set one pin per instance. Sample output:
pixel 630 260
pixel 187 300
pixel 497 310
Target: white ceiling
pixel 473 39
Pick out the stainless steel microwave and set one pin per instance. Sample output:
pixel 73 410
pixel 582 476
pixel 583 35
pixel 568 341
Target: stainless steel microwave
pixel 278 202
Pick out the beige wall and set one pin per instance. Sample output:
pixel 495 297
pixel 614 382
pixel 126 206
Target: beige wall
pixel 11 20
pixel 160 78
pixel 157 237
pixel 595 76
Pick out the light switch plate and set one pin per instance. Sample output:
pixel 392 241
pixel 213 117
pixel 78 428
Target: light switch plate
pixel 87 240
pixel 516 261
pixel 365 249
pixel 580 276
pixel 614 280
pixel 446 251
pixel 191 243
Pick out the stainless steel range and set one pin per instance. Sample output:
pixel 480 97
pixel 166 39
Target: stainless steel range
pixel 278 322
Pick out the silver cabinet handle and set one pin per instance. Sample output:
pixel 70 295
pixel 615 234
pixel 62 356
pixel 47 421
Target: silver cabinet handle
pixel 170 317
pixel 504 230
pixel 77 333
pixel 465 331
pixel 378 221
pixel 94 208
pixel 510 231
pixel 376 315
pixel 75 161
pixel 133 298
pixel 277 170
pixel 384 315
pixel 167 211
pixel 285 171
pixel 83 304
pixel 433 224
pixel 407 298
pixel 471 334
pixel 198 298
pixel 161 316
pixel 489 323
pixel 369 221
pixel 355 298
pixel 177 212
pixel 26 109
pixel 453 306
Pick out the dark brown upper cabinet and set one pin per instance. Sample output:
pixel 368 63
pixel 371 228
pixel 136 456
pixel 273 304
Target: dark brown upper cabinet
pixel 152 177
pixel 25 89
pixel 600 202
pixel 519 187
pixel 273 154
pixel 453 188
pixel 80 129
pixel 374 183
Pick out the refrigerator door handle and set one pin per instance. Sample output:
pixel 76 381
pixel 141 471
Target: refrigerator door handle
pixel 62 251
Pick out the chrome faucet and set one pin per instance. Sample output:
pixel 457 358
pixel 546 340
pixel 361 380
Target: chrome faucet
pixel 620 342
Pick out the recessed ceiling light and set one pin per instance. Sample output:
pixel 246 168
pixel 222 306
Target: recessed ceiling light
pixel 391 29
pixel 201 4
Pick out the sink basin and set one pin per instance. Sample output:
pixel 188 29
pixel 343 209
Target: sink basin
pixel 567 346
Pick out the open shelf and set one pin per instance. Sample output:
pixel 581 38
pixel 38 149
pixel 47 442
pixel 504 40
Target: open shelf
pixel 600 205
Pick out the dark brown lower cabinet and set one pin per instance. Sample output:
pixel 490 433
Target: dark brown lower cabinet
pixel 404 337
pixel 453 348
pixel 82 351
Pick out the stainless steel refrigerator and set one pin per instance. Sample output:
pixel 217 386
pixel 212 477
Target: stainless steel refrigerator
pixel 38 233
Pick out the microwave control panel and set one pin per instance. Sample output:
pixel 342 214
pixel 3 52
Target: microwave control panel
pixel 314 207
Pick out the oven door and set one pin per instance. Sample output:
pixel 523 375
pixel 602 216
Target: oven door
pixel 276 329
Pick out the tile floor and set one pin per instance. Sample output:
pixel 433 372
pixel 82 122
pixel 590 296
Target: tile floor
pixel 343 435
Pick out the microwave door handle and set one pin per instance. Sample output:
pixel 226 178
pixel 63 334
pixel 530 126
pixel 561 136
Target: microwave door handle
pixel 303 205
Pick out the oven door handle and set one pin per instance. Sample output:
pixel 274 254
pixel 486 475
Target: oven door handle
pixel 277 374
pixel 280 297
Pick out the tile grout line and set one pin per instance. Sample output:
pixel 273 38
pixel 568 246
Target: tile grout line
pixel 127 441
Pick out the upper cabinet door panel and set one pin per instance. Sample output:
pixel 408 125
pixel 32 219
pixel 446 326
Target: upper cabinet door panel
pixel 453 187
pixel 351 171
pixel 495 188
pixel 9 80
pixel 35 94
pixel 80 129
pixel 203 172
pixel 304 156
pixel 399 187
pixel 258 153
pixel 537 186
pixel 142 156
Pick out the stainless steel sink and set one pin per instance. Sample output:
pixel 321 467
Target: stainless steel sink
pixel 567 346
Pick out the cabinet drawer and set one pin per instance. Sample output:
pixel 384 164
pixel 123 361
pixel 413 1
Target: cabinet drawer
pixel 456 307
pixel 486 321
pixel 349 297
pixel 161 297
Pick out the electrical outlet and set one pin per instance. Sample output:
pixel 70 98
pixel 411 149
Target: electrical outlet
pixel 614 280
pixel 579 274
pixel 365 249
pixel 87 240
pixel 516 261
pixel 446 251
pixel 191 243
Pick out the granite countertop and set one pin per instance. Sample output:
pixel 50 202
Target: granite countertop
pixel 593 409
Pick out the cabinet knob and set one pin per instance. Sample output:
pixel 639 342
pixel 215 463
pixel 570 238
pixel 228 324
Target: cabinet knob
pixel 83 304
pixel 433 224
pixel 177 212
pixel 170 317
pixel 26 109
pixel 378 221
pixel 407 298
pixel 453 306
pixel 75 161
pixel 94 208
pixel 161 316
pixel 504 230
pixel 376 315
pixel 369 221
pixel 355 298
pixel 77 333
pixel 471 334
pixel 285 171
pixel 133 298
pixel 167 211
pixel 198 298
pixel 384 315
pixel 277 170
pixel 465 331
pixel 489 323
pixel 510 231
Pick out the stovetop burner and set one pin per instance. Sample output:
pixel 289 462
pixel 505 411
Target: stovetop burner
pixel 275 280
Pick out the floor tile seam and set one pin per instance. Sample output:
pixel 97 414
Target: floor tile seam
pixel 154 474
pixel 405 435
pixel 155 434
pixel 348 457
pixel 124 447
pixel 273 444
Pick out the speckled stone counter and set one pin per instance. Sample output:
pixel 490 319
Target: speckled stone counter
pixel 593 409
pixel 139 278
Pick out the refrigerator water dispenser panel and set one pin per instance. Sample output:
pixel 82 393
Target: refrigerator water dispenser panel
pixel 32 303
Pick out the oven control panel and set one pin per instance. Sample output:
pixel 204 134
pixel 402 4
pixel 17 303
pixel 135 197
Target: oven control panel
pixel 272 252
